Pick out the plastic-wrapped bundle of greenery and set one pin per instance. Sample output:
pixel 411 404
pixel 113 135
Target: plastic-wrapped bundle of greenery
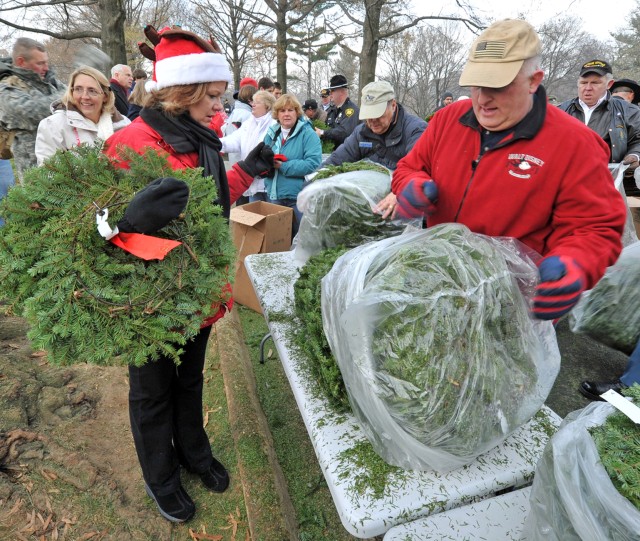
pixel 310 336
pixel 88 300
pixel 610 312
pixel 587 483
pixel 432 333
pixel 338 209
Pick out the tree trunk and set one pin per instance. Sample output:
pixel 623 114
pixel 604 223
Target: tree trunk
pixel 370 43
pixel 112 18
pixel 281 45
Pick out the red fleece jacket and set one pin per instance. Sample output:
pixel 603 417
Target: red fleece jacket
pixel 547 184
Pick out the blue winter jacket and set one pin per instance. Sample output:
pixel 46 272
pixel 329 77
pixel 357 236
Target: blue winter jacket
pixel 303 150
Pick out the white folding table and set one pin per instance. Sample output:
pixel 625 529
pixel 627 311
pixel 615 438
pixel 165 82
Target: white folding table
pixel 409 495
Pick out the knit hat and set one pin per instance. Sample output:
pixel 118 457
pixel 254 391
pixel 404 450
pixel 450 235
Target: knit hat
pixel 497 55
pixel 248 81
pixel 183 58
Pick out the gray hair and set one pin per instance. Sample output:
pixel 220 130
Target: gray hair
pixel 117 69
pixel 23 47
pixel 531 65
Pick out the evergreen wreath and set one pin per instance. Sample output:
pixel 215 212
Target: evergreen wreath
pixel 88 300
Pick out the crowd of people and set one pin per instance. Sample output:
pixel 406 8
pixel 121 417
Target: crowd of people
pixel 502 161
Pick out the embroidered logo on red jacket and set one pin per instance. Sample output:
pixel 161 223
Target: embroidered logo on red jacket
pixel 524 165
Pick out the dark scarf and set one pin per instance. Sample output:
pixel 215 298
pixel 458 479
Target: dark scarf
pixel 185 135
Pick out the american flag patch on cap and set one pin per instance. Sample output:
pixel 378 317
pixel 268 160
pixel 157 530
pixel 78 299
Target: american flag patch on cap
pixel 491 49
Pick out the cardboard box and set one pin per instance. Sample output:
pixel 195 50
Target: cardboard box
pixel 257 228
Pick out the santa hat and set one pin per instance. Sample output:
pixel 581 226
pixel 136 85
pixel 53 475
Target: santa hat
pixel 182 58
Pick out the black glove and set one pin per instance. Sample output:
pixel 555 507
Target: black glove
pixel 259 162
pixel 153 207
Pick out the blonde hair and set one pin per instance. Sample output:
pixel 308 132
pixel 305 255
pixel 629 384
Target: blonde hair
pixel 68 99
pixel 286 100
pixel 138 94
pixel 177 99
pixel 267 98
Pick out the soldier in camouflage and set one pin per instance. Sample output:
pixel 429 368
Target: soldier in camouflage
pixel 27 88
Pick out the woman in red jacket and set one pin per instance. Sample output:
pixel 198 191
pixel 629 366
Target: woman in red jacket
pixel 165 400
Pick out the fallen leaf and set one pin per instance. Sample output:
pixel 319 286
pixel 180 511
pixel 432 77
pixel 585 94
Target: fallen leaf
pixel 40 353
pixel 49 475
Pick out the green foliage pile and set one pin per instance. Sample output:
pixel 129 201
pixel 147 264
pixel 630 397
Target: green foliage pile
pixel 347 167
pixel 328 146
pixel 311 338
pixel 610 313
pixel 338 211
pixel 451 346
pixel 618 444
pixel 86 299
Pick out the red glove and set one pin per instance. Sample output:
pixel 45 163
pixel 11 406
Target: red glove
pixel 418 198
pixel 562 281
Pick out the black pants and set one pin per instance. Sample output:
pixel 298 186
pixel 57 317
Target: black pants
pixel 165 409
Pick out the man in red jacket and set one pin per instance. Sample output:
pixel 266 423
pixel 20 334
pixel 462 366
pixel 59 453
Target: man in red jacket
pixel 506 164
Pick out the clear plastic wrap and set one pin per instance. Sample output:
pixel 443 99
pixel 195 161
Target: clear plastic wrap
pixel 432 333
pixel 338 211
pixel 629 235
pixel 610 312
pixel 573 498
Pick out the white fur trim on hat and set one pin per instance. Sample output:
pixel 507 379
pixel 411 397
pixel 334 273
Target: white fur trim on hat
pixel 189 69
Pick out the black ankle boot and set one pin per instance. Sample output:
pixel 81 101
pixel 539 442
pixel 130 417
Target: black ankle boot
pixel 175 507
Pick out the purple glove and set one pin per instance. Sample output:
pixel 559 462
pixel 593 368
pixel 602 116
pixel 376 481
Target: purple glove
pixel 562 281
pixel 418 198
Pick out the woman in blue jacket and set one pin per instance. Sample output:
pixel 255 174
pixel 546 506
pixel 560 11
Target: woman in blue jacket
pixel 294 138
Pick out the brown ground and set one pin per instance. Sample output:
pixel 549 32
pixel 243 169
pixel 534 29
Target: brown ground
pixel 65 431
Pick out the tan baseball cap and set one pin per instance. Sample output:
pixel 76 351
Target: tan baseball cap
pixel 375 97
pixel 497 55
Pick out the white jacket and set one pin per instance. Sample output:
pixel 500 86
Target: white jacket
pixel 245 139
pixel 241 112
pixel 67 128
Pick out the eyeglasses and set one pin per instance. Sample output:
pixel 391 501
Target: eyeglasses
pixel 92 92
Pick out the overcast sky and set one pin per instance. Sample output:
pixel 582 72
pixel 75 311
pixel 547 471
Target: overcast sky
pixel 599 16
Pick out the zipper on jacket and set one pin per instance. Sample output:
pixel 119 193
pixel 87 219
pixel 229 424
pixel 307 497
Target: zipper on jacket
pixel 474 165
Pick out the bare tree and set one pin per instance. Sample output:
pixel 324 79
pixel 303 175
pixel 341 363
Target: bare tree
pixel 564 50
pixel 238 35
pixel 71 19
pixel 381 19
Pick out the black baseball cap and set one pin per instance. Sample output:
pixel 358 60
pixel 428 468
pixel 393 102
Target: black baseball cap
pixel 310 104
pixel 600 67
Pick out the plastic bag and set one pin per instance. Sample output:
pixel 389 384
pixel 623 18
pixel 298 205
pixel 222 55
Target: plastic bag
pixel 438 352
pixel 339 211
pixel 610 312
pixel 573 498
pixel 629 235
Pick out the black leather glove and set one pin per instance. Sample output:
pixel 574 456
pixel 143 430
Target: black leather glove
pixel 259 162
pixel 153 207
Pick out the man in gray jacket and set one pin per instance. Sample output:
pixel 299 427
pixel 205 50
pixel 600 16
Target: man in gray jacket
pixel 388 133
pixel 616 121
pixel 27 89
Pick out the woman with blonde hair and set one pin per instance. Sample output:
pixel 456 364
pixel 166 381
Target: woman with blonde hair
pixel 137 98
pixel 298 152
pixel 85 114
pixel 249 135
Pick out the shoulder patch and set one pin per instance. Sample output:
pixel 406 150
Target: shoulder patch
pixel 349 112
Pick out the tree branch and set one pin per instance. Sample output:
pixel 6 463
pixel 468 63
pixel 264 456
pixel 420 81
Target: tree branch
pixel 66 36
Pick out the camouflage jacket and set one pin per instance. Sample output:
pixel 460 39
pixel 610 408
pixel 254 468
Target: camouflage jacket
pixel 25 99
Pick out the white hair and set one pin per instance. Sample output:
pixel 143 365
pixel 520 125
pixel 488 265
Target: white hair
pixel 531 65
pixel 117 69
